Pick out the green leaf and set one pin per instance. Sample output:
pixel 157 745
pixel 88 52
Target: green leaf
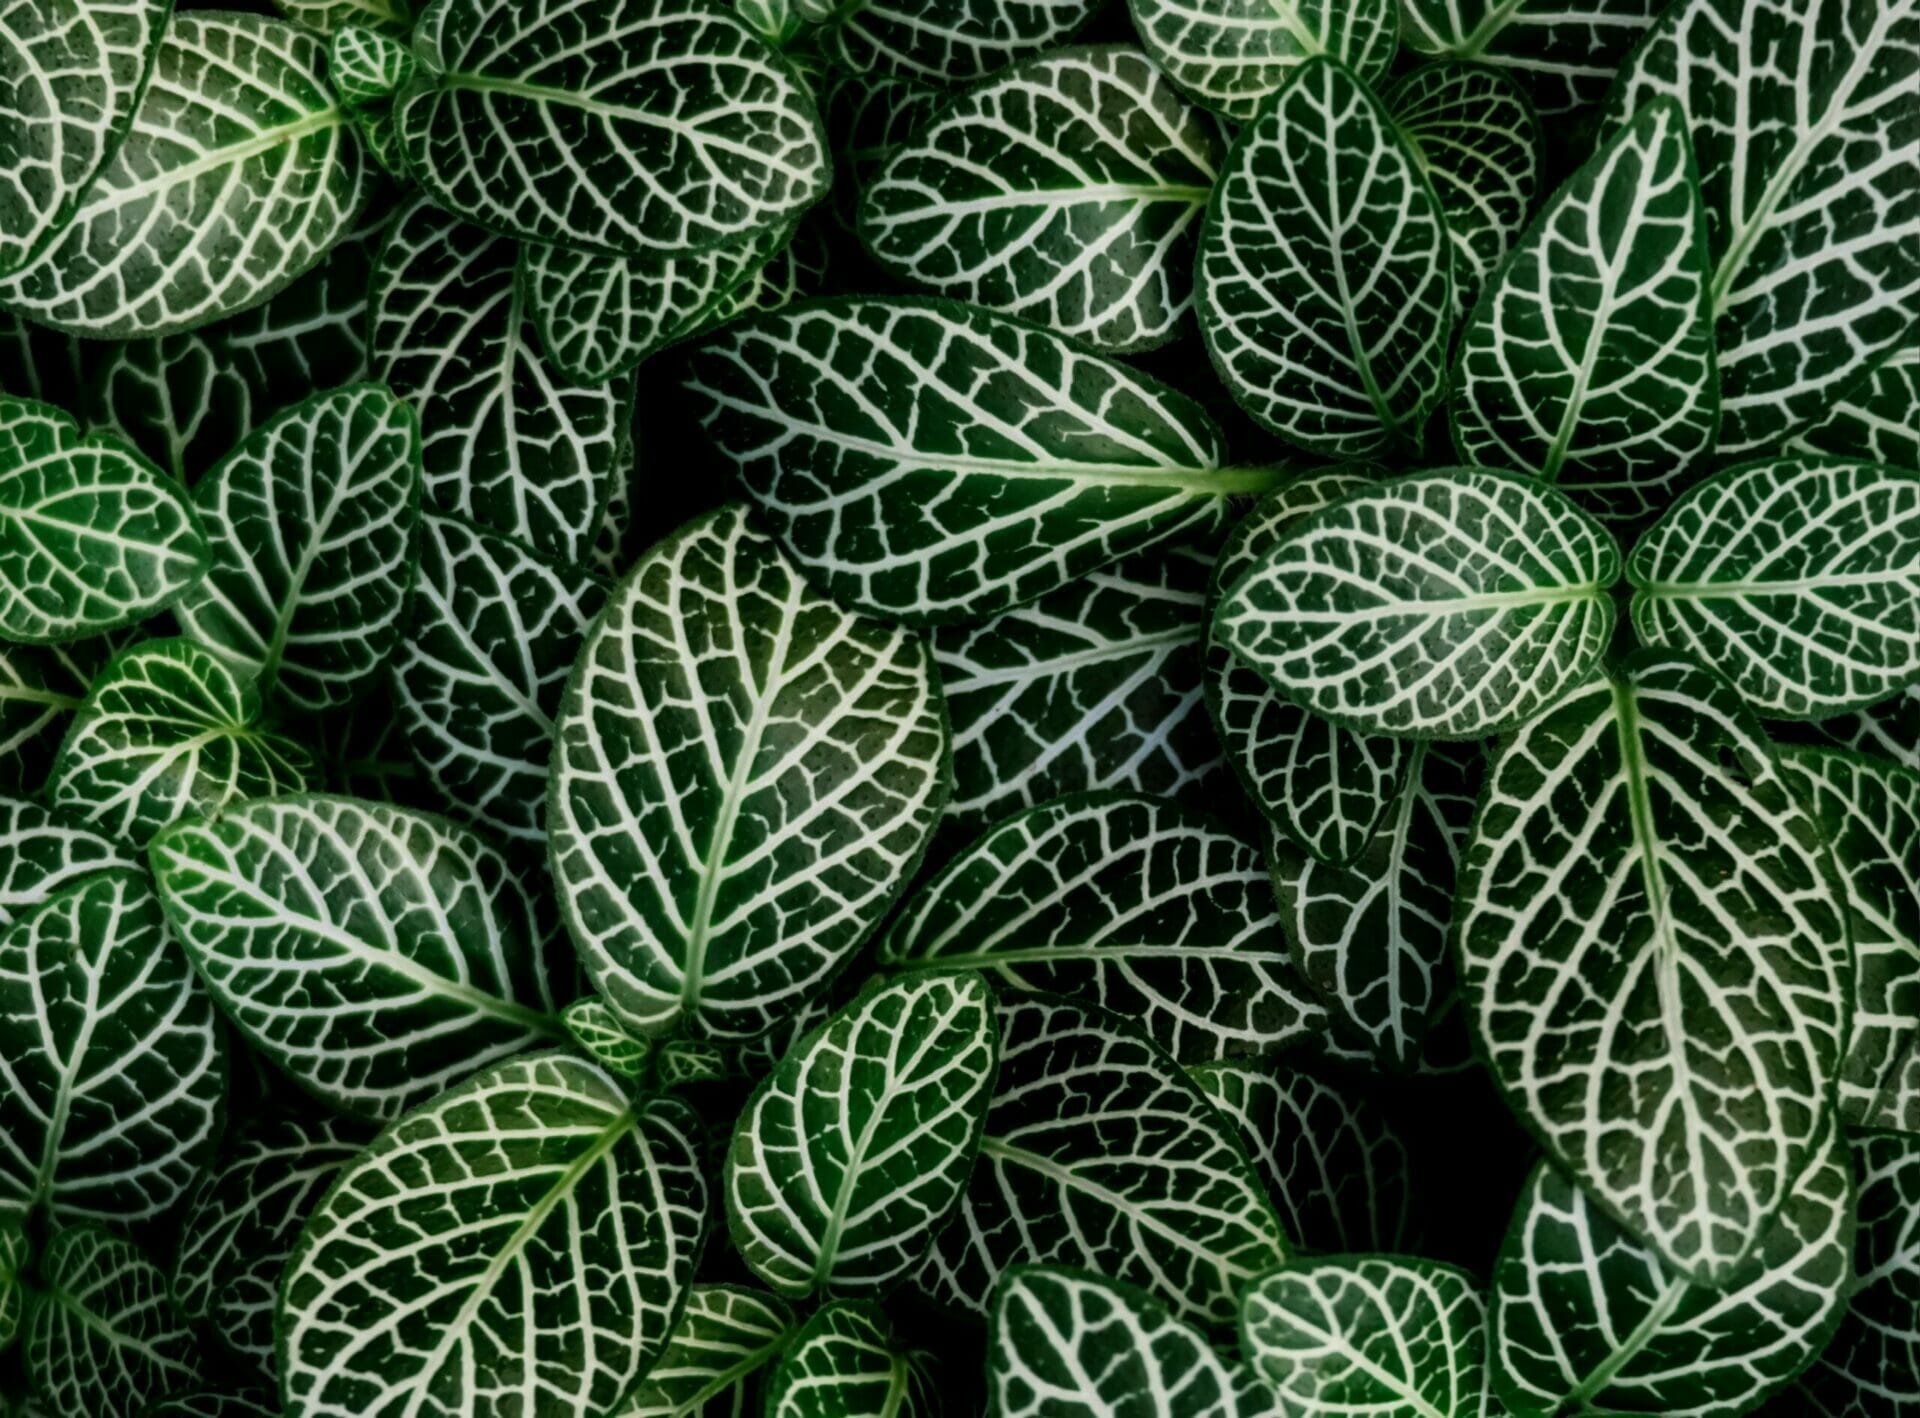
pixel 374 953
pixel 169 730
pixel 326 16
pixel 92 536
pixel 1096 685
pixel 619 126
pixel 176 398
pixel 1333 1165
pixel 75 71
pixel 934 463
pixel 845 1363
pixel 1876 420
pixel 13 1261
pixel 311 521
pixel 1146 907
pixel 716 1361
pixel 1889 730
pixel 599 1034
pixel 1804 131
pixel 1452 604
pixel 1565 50
pixel 216 1403
pixel 851 1155
pixel 1587 1320
pixel 1070 1344
pixel 1590 359
pixel 947 41
pixel 868 118
pixel 114 1074
pixel 539 1234
pixel 40 688
pixel 744 776
pixel 495 629
pixel 778 22
pixel 245 1217
pixel 367 67
pixel 1371 938
pixel 102 1338
pixel 1066 191
pixel 1868 810
pixel 363 752
pixel 44 852
pixel 1321 784
pixel 237 174
pixel 1371 1335
pixel 1099 1152
pixel 1232 54
pixel 1795 578
pixel 1647 916
pixel 679 1062
pixel 505 440
pixel 1324 281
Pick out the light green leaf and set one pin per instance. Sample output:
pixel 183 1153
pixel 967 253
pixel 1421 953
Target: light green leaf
pixel 744 776
pixel 1324 281
pixel 947 41
pixel 540 1234
pixel 311 521
pixel 1646 915
pixel 374 953
pixel 1451 604
pixel 1099 1152
pixel 102 1338
pixel 934 463
pixel 238 172
pixel 1151 909
pixel 167 731
pixel 1587 1320
pixel 1797 578
pixel 495 630
pixel 1095 686
pixel 1590 359
pixel 176 398
pixel 367 67
pixel 13 1262
pixel 246 1215
pixel 679 1062
pixel 1232 54
pixel 778 22
pixel 716 1361
pixel 40 688
pixel 1066 191
pixel 1565 50
pixel 619 126
pixel 599 1034
pixel 92 536
pixel 43 852
pixel 1876 420
pixel 1804 129
pixel 506 441
pixel 845 1363
pixel 1369 1335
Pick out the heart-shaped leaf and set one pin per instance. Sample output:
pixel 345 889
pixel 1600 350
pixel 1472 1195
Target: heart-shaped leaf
pixel 238 172
pixel 541 1232
pixel 1796 578
pixel 102 1338
pixel 717 1358
pixel 1066 191
pixel 1324 282
pixel 743 777
pixel 1151 909
pixel 1876 420
pixel 1449 604
pixel 1590 359
pixel 934 463
pixel 1099 1152
pixel 1674 945
pixel 1565 50
pixel 947 41
pixel 114 1074
pixel 92 536
pixel 43 852
pixel 1232 54
pixel 855 1150
pixel 40 688
pixel 844 1362
pixel 374 953
pixel 620 126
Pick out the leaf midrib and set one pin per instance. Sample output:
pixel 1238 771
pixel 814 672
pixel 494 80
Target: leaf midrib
pixel 1803 585
pixel 1044 955
pixel 1052 666
pixel 264 141
pixel 1629 1348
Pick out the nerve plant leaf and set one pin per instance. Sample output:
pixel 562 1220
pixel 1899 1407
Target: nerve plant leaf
pixel 598 1033
pixel 374 953
pixel 1067 191
pixel 947 41
pixel 717 1358
pixel 1673 945
pixel 852 1154
pixel 1324 282
pixel 1590 359
pixel 744 775
pixel 1802 122
pixel 13 1264
pixel 933 463
pixel 1877 420
pixel 114 1074
pixel 1148 908
pixel 1099 1153
pixel 1796 578
pixel 326 16
pixel 92 536
pixel 626 127
pixel 844 1362
pixel 102 1337
pixel 1231 54
pixel 1889 729
pixel 177 398
pixel 40 688
pixel 1565 50
pixel 541 1232
pixel 237 174
pixel 367 67
pixel 1449 604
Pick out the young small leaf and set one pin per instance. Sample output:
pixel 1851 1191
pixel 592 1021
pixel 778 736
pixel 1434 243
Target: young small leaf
pixel 1565 50
pixel 717 1359
pixel 845 1363
pixel 1231 54
pixel 102 1338
pixel 367 67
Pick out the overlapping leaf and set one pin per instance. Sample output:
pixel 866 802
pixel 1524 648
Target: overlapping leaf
pixel 844 1362
pixel 598 1033
pixel 13 1262
pixel 102 1338
pixel 43 852
pixel 176 398
pixel 367 67
pixel 1231 54
pixel 1566 50
pixel 1890 729
pixel 950 41
pixel 40 688
pixel 716 1361
pixel 868 118
pixel 1876 420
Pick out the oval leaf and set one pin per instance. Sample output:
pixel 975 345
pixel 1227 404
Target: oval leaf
pixel 367 67
pixel 102 1338
pixel 717 1359
pixel 845 1363
pixel 1231 54
pixel 597 1032
pixel 43 852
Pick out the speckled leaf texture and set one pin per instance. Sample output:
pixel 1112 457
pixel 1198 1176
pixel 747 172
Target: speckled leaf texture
pixel 1231 54
pixel 715 1364
pixel 947 41
pixel 102 1338
pixel 1564 51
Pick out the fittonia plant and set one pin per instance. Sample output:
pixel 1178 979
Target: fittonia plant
pixel 877 708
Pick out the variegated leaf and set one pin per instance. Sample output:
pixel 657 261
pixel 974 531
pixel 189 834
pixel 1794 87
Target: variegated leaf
pixel 102 1337
pixel 326 16
pixel 946 41
pixel 40 688
pixel 597 1032
pixel 1889 729
pixel 716 1361
pixel 1565 50
pixel 43 852
pixel 1876 420
pixel 367 67
pixel 1232 54
pixel 14 1255
pixel 869 117
pixel 844 1362
pixel 177 398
